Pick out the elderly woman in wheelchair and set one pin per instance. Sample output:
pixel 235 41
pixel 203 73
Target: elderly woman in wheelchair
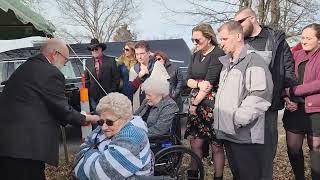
pixel 158 109
pixel 160 112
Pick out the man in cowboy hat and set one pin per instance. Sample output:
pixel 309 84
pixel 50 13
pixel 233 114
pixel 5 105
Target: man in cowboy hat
pixel 104 70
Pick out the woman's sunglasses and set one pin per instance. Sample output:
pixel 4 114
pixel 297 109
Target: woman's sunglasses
pixel 197 41
pixel 125 49
pixel 107 121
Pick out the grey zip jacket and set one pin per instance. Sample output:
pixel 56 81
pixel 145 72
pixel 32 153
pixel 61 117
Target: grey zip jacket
pixel 243 97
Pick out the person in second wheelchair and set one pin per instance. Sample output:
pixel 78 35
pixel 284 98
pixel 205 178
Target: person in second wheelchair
pixel 158 109
pixel 119 147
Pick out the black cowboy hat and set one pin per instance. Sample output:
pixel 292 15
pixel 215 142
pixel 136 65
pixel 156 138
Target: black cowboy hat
pixel 95 43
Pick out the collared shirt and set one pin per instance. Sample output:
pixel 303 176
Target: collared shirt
pixel 47 59
pixel 97 65
pixel 258 42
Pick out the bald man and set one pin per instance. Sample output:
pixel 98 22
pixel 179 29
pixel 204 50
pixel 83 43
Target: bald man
pixel 270 44
pixel 32 106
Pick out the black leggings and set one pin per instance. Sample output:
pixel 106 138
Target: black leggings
pixel 295 154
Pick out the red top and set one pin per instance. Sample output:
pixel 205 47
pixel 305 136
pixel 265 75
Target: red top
pixel 310 89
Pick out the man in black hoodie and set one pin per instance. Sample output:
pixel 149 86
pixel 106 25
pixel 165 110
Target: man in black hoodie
pixel 272 46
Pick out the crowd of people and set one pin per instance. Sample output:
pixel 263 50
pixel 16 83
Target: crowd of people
pixel 237 88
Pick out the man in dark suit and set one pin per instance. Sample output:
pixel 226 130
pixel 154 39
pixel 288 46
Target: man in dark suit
pixel 103 71
pixel 32 106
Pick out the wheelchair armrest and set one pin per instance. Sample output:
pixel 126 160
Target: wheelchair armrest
pixel 160 138
pixel 181 114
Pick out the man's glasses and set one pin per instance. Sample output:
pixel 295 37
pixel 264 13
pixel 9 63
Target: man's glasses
pixel 243 19
pixel 94 49
pixel 125 49
pixel 107 121
pixel 62 56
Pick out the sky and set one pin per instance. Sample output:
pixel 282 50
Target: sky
pixel 152 23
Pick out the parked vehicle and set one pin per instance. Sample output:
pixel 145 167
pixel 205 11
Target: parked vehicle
pixel 72 73
pixel 177 50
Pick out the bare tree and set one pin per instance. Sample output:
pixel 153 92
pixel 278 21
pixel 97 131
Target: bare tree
pixel 287 15
pixel 99 18
pixel 202 11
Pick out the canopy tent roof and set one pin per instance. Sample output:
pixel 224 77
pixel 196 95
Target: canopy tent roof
pixel 19 21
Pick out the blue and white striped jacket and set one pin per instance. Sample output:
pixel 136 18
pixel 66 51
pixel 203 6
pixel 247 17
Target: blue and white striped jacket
pixel 125 156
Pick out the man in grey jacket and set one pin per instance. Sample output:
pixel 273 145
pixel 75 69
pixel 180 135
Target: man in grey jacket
pixel 271 44
pixel 243 97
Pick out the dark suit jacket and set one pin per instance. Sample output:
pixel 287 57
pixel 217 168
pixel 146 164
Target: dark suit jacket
pixel 109 78
pixel 32 106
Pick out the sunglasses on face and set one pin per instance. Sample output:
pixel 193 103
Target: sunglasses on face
pixel 125 49
pixel 95 49
pixel 159 59
pixel 197 41
pixel 243 19
pixel 108 122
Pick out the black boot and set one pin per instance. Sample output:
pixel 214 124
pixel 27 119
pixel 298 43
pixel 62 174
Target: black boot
pixel 315 165
pixel 297 164
pixel 217 178
pixel 205 148
pixel 193 174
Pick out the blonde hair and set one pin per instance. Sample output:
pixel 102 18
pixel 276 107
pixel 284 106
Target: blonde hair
pixel 207 32
pixel 115 102
pixel 127 61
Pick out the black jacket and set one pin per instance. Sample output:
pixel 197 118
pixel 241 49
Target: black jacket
pixel 109 78
pixel 32 106
pixel 281 67
pixel 176 79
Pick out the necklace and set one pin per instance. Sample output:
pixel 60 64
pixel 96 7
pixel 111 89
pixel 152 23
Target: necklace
pixel 206 53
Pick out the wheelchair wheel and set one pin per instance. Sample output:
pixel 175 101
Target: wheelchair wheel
pixel 175 161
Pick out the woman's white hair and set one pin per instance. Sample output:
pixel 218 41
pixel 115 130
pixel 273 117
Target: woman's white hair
pixel 115 102
pixel 157 86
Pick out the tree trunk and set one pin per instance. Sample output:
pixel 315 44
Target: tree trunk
pixel 275 13
pixel 261 12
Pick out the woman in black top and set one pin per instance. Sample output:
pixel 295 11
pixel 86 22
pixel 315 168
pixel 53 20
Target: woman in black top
pixel 203 78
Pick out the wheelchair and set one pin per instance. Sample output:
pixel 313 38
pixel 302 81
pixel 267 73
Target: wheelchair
pixel 171 157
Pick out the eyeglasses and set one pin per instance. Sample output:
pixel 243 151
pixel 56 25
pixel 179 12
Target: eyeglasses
pixel 243 19
pixel 94 49
pixel 108 122
pixel 125 49
pixel 62 56
pixel 159 59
